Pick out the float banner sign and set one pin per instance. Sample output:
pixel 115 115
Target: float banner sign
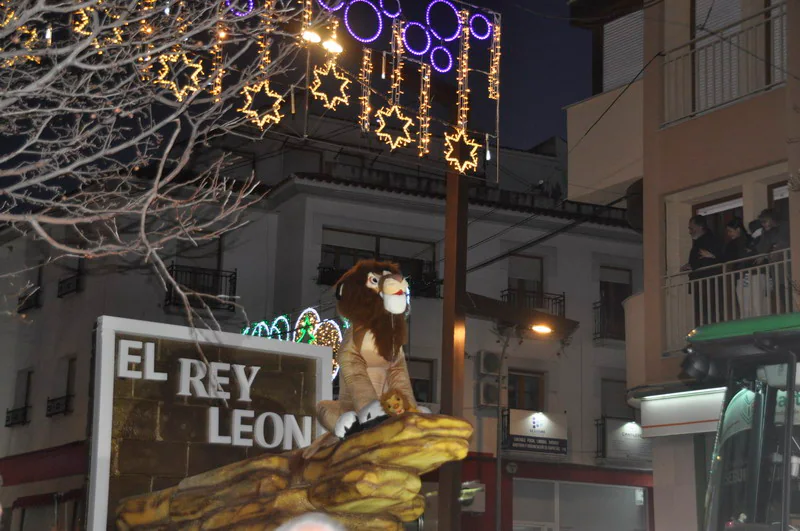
pixel 161 415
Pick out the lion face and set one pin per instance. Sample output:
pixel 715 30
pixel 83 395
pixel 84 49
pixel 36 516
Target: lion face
pixel 374 295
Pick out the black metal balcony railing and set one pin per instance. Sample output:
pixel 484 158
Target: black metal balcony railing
pixel 30 300
pixel 426 285
pixel 218 285
pixel 70 284
pixel 17 416
pixel 551 303
pixel 609 321
pixel 59 406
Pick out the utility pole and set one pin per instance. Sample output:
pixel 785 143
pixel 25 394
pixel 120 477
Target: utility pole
pixel 453 336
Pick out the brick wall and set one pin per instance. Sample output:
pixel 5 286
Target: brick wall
pixel 159 438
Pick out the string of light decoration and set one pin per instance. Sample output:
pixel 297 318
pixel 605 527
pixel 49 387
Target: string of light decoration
pixel 176 61
pixel 458 141
pixel 307 33
pixel 26 37
pixel 82 20
pixel 424 109
pixel 147 8
pixel 364 78
pixel 494 61
pixel 310 328
pixel 393 109
pixel 262 83
pixel 217 61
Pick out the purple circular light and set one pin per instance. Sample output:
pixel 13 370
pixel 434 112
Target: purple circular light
pixel 455 12
pixel 475 34
pixel 427 38
pixel 377 16
pixel 250 6
pixel 391 15
pixel 324 5
pixel 442 69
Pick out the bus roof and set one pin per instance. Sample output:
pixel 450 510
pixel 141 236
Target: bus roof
pixel 745 327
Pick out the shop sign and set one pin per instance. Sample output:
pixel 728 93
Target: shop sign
pixel 624 441
pixel 536 432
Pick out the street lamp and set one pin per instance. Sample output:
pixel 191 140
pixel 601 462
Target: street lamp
pixel 311 36
pixel 332 46
pixel 542 329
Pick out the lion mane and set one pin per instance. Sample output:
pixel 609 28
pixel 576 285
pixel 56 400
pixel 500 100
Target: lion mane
pixel 364 308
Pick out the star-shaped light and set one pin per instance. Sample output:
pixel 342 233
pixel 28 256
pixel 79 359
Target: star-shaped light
pixel 394 141
pixel 273 115
pixel 460 138
pixel 171 60
pixel 329 69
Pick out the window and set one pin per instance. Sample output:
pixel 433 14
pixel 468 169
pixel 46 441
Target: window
pixel 779 200
pixel 421 374
pixel 526 274
pixel 64 390
pixel 206 254
pixel 342 249
pixel 615 287
pixel 716 58
pixel 19 414
pixel 613 400
pixel 525 390
pixel 719 213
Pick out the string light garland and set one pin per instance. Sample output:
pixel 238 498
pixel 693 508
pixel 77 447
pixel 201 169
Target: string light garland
pixel 83 19
pixel 173 62
pixel 147 7
pixel 455 157
pixel 310 329
pixel 273 115
pixel 217 63
pixel 393 109
pixel 458 142
pixel 364 77
pixel 394 140
pixel 494 62
pixel 27 38
pixel 7 15
pixel 326 70
pixel 424 110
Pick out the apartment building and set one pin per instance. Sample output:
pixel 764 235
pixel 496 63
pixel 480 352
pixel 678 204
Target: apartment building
pixel 701 104
pixel 326 208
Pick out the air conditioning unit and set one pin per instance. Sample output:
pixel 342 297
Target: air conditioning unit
pixel 489 363
pixel 488 393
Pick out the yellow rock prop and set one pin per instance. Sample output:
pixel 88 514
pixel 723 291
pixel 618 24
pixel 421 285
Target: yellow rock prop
pixel 370 480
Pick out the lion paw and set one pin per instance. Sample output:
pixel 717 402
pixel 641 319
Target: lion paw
pixel 345 423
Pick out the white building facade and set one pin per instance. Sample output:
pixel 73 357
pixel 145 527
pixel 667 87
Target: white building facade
pixel 312 226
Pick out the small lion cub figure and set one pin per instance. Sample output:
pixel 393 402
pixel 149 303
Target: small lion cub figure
pixel 395 403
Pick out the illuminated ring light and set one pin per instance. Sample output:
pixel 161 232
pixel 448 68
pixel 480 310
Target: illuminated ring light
pixel 324 5
pixel 250 6
pixel 455 34
pixel 391 15
pixel 377 15
pixel 442 69
pixel 484 36
pixel 427 38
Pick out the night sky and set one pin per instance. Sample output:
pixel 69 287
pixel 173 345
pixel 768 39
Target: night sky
pixel 546 65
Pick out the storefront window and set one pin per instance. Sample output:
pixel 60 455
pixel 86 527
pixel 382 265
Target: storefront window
pixel 601 507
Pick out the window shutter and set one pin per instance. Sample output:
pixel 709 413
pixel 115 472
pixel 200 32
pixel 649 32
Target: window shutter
pixel 623 50
pixel 717 58
pixel 21 391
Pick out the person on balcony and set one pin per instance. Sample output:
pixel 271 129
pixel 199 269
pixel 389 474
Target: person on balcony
pixel 771 268
pixel 705 249
pixel 738 247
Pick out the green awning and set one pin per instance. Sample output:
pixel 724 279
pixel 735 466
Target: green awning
pixel 745 327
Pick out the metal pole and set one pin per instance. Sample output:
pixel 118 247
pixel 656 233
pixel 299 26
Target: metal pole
pixel 308 90
pixel 498 506
pixel 453 335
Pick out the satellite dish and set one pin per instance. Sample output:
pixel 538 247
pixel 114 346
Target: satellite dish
pixel 635 211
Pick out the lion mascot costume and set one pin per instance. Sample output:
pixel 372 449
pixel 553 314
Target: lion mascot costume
pixel 373 296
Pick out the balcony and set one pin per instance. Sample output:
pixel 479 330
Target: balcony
pixel 204 287
pixel 29 300
pixel 752 287
pixel 551 303
pixel 609 322
pixel 59 406
pixel 17 416
pixel 726 65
